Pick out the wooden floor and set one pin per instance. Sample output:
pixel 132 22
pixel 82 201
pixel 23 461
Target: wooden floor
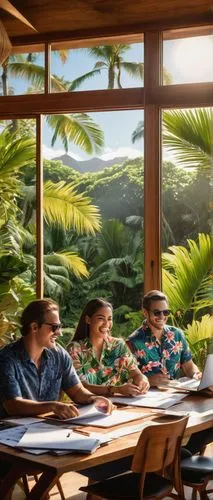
pixel 71 482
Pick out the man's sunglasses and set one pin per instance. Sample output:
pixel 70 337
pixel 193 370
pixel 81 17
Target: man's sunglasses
pixel 54 326
pixel 157 312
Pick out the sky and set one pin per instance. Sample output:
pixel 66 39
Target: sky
pixel 188 60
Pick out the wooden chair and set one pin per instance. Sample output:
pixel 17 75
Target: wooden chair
pixel 157 450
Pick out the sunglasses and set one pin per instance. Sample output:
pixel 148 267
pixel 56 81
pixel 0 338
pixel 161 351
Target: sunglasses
pixel 157 312
pixel 54 326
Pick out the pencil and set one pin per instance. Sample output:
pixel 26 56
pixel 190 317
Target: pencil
pixel 80 431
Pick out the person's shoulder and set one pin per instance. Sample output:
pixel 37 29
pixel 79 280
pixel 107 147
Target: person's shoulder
pixel 58 352
pixel 138 333
pixel 116 341
pixel 175 330
pixel 9 349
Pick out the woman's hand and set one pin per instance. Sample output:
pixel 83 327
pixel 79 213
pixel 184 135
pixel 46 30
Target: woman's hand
pixel 63 410
pixel 144 385
pixel 158 379
pixel 103 404
pixel 129 389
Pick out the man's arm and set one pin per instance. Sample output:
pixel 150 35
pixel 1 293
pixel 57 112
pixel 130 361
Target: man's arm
pixel 191 370
pixel 80 395
pixel 27 407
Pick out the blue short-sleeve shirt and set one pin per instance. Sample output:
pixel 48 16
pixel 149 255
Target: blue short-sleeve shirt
pixel 19 376
pixel 165 355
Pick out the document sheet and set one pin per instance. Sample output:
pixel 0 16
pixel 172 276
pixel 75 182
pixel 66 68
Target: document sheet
pixel 153 399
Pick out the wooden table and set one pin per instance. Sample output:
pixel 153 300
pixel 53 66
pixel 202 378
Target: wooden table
pixel 52 467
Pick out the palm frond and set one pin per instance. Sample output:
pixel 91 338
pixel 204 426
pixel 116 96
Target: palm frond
pixel 133 69
pixel 65 207
pixel 78 128
pixel 81 79
pixel 35 74
pixel 188 134
pixel 186 274
pixel 70 261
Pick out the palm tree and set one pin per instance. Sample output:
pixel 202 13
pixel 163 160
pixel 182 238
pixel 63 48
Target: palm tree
pixel 110 59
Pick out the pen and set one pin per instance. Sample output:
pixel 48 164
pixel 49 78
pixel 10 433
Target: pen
pixel 80 431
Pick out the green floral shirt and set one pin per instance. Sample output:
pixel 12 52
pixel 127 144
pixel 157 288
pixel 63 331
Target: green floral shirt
pixel 154 356
pixel 114 366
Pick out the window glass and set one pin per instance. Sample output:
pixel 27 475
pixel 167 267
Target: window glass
pixel 186 223
pixel 23 72
pixel 188 59
pixel 93 241
pixel 17 222
pixel 119 65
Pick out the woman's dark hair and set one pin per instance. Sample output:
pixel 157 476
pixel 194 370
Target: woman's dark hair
pixel 35 312
pixel 82 330
pixel 152 296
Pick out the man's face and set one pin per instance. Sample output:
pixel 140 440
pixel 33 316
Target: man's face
pixel 157 313
pixel 44 334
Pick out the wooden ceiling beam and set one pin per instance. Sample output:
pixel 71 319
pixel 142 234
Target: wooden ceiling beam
pixel 9 7
pixel 108 34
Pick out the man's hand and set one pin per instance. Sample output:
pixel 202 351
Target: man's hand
pixel 159 379
pixel 63 410
pixel 103 404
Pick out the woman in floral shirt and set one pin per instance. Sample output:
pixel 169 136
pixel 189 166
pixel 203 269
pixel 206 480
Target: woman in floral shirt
pixel 104 364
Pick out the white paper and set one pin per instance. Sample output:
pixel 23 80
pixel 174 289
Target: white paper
pixel 160 400
pixel 117 417
pixel 53 438
pixel 85 412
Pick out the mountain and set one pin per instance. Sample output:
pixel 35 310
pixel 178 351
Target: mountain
pixel 93 165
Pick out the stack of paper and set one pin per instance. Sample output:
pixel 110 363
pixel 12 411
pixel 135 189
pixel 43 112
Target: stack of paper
pixel 50 437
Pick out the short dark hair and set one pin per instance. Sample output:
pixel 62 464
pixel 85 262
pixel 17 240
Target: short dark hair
pixel 82 330
pixel 152 295
pixel 35 311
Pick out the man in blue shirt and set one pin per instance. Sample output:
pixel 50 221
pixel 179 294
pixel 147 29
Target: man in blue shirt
pixel 34 369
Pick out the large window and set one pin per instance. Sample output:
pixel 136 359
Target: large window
pixel 95 157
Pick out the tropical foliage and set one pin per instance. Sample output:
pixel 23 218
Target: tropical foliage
pixel 188 134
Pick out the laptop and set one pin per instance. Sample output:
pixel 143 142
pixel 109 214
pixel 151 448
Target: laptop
pixel 190 384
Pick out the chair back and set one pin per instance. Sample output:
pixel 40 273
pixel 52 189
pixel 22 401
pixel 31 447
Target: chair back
pixel 159 448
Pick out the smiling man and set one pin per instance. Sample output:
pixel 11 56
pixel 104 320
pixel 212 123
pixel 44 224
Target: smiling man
pixel 35 369
pixel 161 350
